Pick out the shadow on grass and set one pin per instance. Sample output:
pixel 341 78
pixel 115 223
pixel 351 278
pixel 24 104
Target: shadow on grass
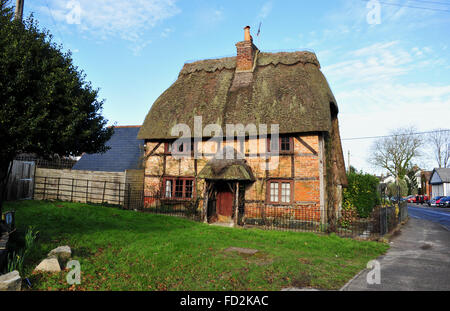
pixel 73 218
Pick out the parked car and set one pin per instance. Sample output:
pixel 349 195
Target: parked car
pixel 419 199
pixel 411 199
pixel 432 202
pixel 444 202
pixel 438 201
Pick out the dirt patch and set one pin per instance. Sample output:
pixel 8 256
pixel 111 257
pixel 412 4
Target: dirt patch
pixel 250 255
pixel 240 250
pixel 305 261
pixel 397 233
pixel 426 246
pixel 301 280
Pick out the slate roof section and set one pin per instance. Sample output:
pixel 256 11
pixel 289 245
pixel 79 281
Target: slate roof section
pixel 444 174
pixel 125 153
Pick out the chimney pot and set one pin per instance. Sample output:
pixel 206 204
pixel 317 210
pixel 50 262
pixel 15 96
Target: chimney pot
pixel 247 36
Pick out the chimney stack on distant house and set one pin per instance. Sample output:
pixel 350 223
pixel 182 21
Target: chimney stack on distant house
pixel 246 52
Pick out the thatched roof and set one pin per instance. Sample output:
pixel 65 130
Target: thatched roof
pixel 285 88
pixel 233 167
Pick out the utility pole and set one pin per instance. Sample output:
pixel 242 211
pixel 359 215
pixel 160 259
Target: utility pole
pixel 19 10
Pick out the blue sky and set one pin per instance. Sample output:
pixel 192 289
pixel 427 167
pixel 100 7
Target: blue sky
pixel 384 76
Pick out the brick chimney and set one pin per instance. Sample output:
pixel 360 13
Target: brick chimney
pixel 246 52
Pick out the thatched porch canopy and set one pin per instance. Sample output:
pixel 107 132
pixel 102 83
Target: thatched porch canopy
pixel 227 165
pixel 233 172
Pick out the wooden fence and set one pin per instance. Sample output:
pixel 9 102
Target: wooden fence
pixel 116 188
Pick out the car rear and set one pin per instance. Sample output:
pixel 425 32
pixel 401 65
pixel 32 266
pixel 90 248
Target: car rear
pixel 443 202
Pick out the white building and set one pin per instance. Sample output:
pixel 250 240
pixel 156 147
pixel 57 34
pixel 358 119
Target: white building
pixel 440 182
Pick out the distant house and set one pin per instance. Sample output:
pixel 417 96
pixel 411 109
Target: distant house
pixel 125 153
pixel 440 182
pixel 113 177
pixel 425 178
pixel 251 89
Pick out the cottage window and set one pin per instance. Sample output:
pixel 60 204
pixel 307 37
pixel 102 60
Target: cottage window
pixel 179 188
pixel 189 186
pixel 274 192
pixel 285 145
pixel 280 192
pixel 285 192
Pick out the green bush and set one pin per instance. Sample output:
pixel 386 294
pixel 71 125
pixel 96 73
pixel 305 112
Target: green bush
pixel 361 193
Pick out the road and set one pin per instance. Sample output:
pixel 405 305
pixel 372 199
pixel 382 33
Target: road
pixel 437 215
pixel 419 259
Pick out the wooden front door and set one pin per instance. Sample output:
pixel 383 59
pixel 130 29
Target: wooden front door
pixel 224 203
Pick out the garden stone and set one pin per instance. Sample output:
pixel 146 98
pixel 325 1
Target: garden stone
pixel 48 265
pixel 62 253
pixel 10 281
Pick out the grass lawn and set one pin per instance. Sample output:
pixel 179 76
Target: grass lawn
pixel 127 250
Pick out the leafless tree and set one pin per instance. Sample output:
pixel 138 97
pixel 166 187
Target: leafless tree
pixel 396 151
pixel 439 141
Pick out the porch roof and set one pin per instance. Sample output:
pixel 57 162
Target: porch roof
pixel 232 172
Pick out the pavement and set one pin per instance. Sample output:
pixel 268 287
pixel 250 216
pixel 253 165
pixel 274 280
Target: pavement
pixel 418 260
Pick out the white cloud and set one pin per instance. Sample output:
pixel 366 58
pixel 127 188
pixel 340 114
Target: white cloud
pixel 380 61
pixel 165 33
pixel 128 20
pixel 265 10
pixel 374 96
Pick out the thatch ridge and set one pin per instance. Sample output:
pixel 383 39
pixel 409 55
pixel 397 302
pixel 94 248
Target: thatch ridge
pixel 263 59
pixel 209 65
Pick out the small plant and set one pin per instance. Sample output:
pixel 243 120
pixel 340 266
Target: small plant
pixel 16 259
pixel 30 237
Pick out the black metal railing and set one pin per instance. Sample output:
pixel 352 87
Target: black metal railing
pixel 381 221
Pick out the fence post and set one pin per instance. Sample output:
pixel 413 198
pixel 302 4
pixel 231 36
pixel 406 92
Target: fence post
pixel 120 194
pixel 104 188
pixel 87 189
pixel 45 186
pixel 71 192
pixel 57 189
pixel 129 195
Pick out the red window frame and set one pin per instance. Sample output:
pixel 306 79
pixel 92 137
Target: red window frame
pixel 181 186
pixel 280 182
pixel 281 142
